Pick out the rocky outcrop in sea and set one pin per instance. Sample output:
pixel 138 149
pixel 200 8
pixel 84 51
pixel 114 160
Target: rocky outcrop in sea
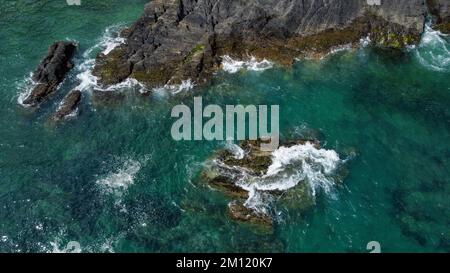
pixel 68 106
pixel 258 181
pixel 51 72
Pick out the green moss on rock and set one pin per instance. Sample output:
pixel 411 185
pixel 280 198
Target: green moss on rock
pixel 112 68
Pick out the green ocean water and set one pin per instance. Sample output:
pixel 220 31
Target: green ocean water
pixel 114 180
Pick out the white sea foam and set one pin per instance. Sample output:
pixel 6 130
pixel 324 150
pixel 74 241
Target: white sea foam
pixel 71 247
pixel 119 180
pixel 433 51
pixel 25 87
pixel 111 39
pixel 72 114
pixel 107 43
pixel 364 42
pixel 174 89
pixel 127 84
pixel 300 163
pixel 337 49
pixel 303 163
pixel 237 151
pixel 87 80
pixel 231 65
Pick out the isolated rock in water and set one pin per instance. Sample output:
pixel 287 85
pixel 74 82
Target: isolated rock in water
pixel 177 40
pixel 68 105
pixel 255 179
pixel 51 71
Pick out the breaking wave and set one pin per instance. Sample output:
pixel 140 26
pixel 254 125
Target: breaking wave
pixel 433 50
pixel 87 81
pixel 303 163
pixel 231 65
pixel 25 87
pixel 237 151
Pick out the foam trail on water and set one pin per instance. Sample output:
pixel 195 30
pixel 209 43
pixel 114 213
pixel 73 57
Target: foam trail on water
pixel 117 181
pixel 232 66
pixel 71 247
pixel 174 89
pixel 337 49
pixel 24 89
pixel 433 52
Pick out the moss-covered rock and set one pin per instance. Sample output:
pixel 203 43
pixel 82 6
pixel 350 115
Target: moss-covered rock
pixel 444 27
pixel 112 68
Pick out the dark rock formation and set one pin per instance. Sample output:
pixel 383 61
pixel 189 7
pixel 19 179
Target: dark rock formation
pixel 241 213
pixel 177 40
pixel 68 105
pixel 440 9
pixel 51 71
pixel 225 171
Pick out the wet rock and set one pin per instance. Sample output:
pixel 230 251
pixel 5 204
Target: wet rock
pixel 68 105
pixel 440 9
pixel 237 173
pixel 51 71
pixel 180 40
pixel 239 212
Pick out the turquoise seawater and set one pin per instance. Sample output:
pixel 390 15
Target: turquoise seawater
pixel 113 179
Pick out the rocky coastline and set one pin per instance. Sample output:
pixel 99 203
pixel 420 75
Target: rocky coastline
pixel 176 41
pixel 180 40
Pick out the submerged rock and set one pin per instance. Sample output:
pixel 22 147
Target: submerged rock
pixel 51 71
pixel 68 105
pixel 177 40
pixel 255 179
pixel 423 212
pixel 107 97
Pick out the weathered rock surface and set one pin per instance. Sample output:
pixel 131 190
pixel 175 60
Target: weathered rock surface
pixel 51 71
pixel 239 212
pixel 177 40
pixel 440 9
pixel 68 105
pixel 228 173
